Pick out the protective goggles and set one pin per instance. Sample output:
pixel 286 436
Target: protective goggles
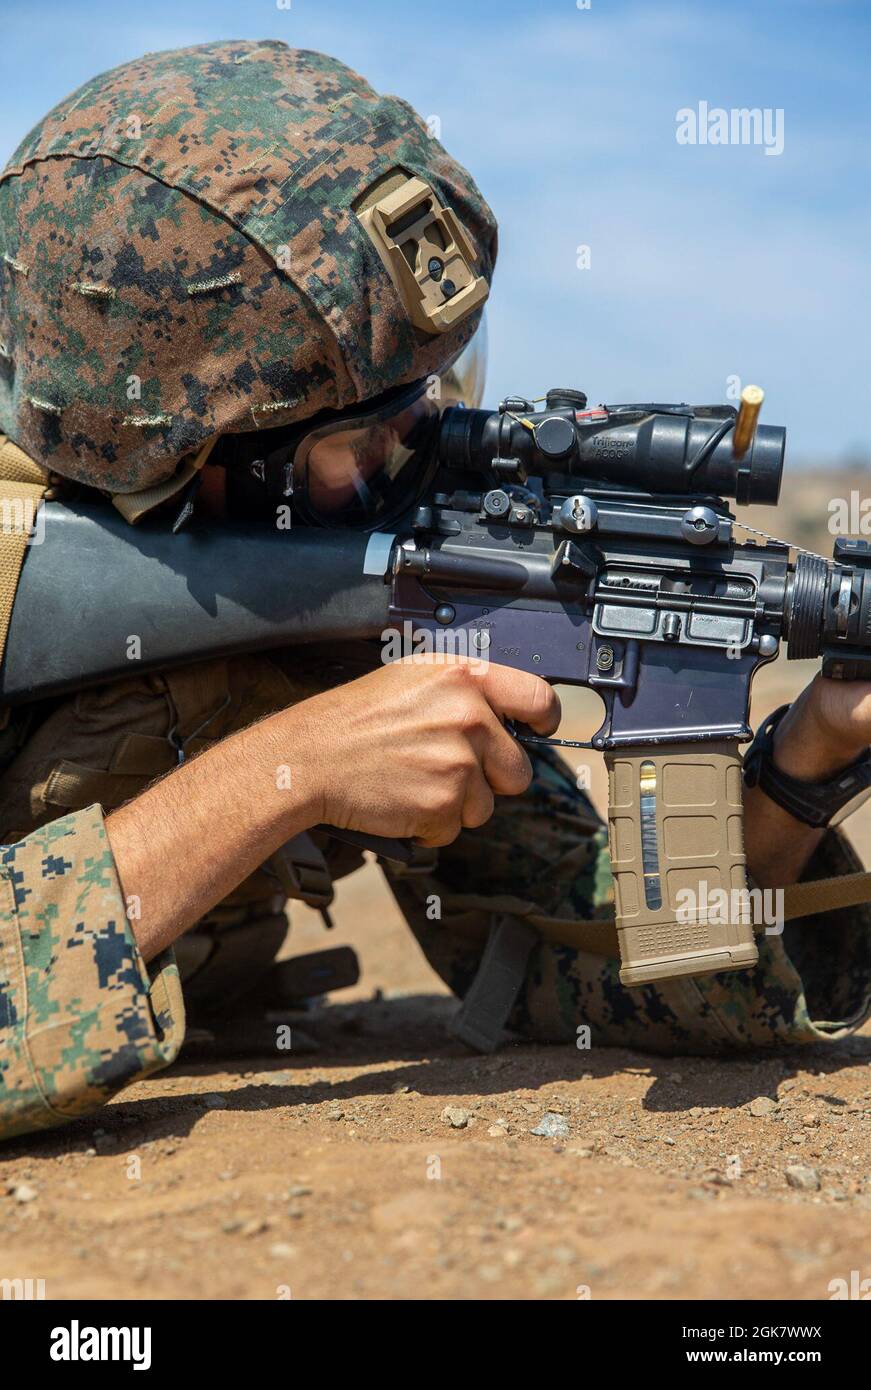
pixel 363 469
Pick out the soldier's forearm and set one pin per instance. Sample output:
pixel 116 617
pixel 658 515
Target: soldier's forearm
pixel 190 839
pixel 810 747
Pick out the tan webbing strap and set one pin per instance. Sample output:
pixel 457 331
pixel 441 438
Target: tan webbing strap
pixel 825 895
pixel 134 505
pixel 599 937
pixel 18 467
pixel 23 485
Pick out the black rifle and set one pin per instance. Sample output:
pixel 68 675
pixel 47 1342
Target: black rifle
pixel 591 547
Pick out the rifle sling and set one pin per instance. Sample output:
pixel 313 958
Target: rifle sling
pixel 23 484
pixel 599 936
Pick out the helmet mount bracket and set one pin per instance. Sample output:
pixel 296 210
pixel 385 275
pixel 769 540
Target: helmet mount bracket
pixel 427 254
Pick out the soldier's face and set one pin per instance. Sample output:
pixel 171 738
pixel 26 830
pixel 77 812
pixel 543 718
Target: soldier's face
pixel 337 467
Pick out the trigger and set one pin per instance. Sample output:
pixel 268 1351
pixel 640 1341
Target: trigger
pixel 527 736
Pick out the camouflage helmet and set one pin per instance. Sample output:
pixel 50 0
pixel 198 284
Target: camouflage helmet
pixel 220 239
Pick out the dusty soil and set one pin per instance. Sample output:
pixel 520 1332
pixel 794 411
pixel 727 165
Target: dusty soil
pixel 335 1174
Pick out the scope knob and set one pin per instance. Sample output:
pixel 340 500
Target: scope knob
pixel 700 525
pixel 497 503
pixel 578 514
pixel 555 437
pixel 564 398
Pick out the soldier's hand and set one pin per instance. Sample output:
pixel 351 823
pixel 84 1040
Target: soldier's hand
pixel 418 749
pixel 415 750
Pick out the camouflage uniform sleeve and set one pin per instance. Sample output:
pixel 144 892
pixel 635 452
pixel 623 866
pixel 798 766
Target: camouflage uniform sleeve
pixel 81 1015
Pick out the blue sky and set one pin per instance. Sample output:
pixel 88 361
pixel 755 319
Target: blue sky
pixel 707 262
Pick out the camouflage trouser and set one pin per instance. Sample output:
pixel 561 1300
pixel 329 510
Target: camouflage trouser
pixel 547 847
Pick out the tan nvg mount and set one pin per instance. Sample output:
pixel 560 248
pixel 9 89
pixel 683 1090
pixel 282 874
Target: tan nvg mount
pixel 683 802
pixel 426 251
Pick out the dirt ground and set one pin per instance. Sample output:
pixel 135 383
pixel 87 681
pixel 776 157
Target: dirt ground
pixel 335 1173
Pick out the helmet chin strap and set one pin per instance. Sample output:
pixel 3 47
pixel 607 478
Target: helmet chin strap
pixel 134 505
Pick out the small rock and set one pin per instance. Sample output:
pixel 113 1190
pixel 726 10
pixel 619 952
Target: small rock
pixel 551 1126
pixel 213 1101
pixel 282 1251
pixel 512 1223
pixel 497 1131
pixel 810 1119
pixel 336 1115
pixel 456 1117
pixel 762 1105
pixel 299 1190
pixel 24 1193
pixel 563 1255
pixel 255 1227
pixel 805 1179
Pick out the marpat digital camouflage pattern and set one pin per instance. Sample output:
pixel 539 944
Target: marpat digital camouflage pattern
pixel 80 1015
pixel 179 257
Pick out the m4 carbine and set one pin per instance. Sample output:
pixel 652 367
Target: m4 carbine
pixel 591 547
